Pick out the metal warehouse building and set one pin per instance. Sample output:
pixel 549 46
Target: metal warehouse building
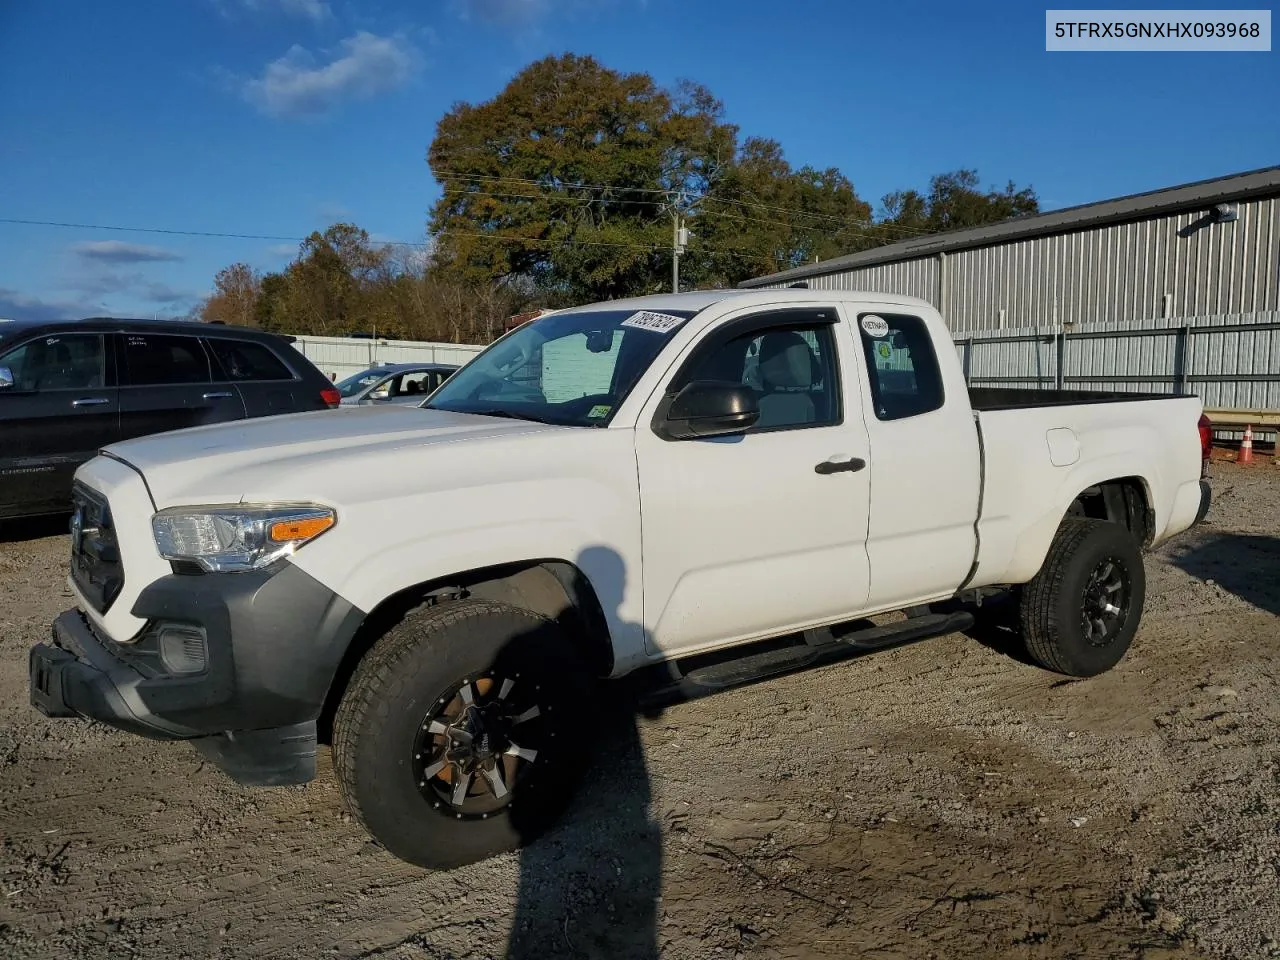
pixel 1173 289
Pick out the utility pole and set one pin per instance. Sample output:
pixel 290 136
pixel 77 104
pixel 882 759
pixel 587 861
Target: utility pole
pixel 679 240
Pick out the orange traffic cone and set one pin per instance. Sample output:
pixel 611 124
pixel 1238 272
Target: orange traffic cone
pixel 1246 446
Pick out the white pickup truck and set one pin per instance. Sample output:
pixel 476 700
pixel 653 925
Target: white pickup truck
pixel 726 485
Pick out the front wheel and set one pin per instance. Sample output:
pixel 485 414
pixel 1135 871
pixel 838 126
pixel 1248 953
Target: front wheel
pixel 1080 612
pixel 463 732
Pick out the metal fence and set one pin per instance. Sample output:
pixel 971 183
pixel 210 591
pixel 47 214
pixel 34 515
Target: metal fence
pixel 343 356
pixel 1231 361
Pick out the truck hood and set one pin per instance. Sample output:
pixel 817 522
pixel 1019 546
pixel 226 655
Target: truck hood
pixel 228 461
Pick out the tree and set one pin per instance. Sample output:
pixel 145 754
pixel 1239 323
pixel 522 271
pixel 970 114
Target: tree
pixel 561 178
pixel 570 177
pixel 234 300
pixel 761 216
pixel 955 202
pixel 341 283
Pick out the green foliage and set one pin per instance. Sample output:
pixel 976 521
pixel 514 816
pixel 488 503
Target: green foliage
pixel 956 201
pixel 342 283
pixel 570 176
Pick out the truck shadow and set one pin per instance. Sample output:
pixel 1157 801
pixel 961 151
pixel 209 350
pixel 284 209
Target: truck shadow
pixel 1247 565
pixel 995 626
pixel 589 885
pixel 25 529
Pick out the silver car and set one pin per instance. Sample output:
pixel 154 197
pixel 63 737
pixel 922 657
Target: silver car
pixel 394 383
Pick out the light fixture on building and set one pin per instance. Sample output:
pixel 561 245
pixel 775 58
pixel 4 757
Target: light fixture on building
pixel 1224 213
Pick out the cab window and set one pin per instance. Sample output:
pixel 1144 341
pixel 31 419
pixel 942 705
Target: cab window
pixel 791 368
pixel 902 367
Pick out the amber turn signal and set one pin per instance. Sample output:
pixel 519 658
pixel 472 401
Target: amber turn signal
pixel 285 531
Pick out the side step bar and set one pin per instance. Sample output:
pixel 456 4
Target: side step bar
pixel 820 647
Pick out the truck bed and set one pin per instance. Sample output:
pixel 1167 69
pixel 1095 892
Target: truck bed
pixel 1011 398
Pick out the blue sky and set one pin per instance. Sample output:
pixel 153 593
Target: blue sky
pixel 278 117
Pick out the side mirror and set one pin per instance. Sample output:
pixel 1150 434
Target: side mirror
pixel 709 408
pixel 6 378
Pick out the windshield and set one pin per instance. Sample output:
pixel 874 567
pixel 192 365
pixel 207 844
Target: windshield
pixel 353 385
pixel 573 368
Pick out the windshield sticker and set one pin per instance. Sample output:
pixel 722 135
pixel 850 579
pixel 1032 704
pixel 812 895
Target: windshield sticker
pixel 885 351
pixel 598 411
pixel 653 322
pixel 874 326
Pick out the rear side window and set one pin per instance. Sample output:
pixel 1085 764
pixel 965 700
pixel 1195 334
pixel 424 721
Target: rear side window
pixel 246 360
pixel 159 360
pixel 902 367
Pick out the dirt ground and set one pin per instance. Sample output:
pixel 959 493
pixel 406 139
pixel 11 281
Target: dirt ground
pixel 941 800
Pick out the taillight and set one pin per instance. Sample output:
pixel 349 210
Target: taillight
pixel 1206 437
pixel 331 396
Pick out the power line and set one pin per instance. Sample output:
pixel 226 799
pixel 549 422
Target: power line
pixel 591 243
pixel 871 224
pixel 669 194
pixel 263 236
pixel 179 233
pixel 564 186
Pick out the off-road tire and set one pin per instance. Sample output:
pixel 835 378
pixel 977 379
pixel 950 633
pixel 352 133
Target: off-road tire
pixel 1053 603
pixel 410 670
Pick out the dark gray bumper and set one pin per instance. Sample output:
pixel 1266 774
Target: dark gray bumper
pixel 247 685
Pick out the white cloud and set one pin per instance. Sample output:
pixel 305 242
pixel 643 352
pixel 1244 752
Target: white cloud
pixel 523 13
pixel 297 86
pixel 15 305
pixel 134 285
pixel 283 250
pixel 501 11
pixel 118 251
pixel 163 293
pixel 315 10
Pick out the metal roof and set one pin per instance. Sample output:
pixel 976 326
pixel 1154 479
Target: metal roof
pixel 1191 196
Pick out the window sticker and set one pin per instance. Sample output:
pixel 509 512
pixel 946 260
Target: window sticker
pixel 662 323
pixel 885 351
pixel 874 326
pixel 598 411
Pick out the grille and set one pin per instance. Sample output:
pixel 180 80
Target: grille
pixel 96 567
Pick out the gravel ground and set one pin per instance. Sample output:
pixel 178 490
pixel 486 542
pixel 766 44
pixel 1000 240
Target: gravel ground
pixel 941 800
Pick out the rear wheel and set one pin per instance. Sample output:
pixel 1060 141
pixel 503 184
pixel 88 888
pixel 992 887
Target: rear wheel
pixel 1080 612
pixel 463 732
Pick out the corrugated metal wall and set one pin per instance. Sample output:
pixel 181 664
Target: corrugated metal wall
pixel 344 356
pixel 914 278
pixel 1117 273
pixel 1231 361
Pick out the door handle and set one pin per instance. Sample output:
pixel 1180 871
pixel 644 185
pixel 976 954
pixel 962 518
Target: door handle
pixel 218 395
pixel 90 402
pixel 852 465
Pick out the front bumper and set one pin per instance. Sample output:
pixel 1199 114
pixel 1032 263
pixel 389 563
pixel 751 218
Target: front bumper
pixel 268 645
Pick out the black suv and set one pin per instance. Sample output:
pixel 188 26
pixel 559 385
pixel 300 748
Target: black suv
pixel 69 388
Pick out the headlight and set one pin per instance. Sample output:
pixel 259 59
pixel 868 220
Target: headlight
pixel 237 537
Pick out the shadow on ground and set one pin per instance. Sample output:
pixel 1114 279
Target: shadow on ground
pixel 1247 565
pixel 589 886
pixel 32 528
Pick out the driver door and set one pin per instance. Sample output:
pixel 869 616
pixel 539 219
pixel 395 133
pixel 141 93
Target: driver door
pixel 763 532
